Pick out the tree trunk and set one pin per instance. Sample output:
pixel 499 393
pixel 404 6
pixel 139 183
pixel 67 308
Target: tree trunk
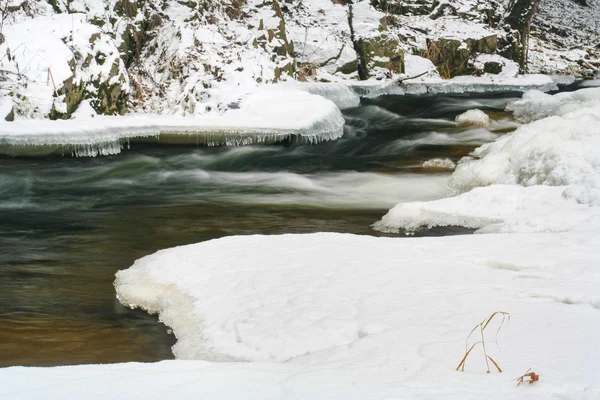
pixel 519 15
pixel 363 74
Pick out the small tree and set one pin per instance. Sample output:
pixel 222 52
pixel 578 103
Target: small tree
pixel 519 15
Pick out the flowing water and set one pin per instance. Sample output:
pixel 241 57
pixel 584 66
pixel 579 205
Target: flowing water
pixel 68 224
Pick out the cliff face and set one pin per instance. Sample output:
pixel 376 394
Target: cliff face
pixel 199 56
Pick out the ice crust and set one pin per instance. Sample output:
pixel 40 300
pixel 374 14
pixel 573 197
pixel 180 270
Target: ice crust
pixel 270 114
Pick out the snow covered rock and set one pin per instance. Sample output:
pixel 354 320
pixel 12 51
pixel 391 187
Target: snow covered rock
pixel 475 118
pixel 439 163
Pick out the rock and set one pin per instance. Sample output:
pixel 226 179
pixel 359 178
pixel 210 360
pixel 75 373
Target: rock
pixel 10 117
pixel 492 67
pixel 451 56
pixel 382 51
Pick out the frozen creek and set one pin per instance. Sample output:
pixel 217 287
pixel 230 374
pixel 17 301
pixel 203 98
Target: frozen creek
pixel 67 224
pixel 346 316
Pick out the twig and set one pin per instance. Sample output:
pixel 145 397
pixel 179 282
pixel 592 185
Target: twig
pixel 53 84
pixel 399 81
pixel 3 71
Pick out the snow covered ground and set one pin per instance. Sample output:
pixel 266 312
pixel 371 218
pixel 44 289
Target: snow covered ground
pixel 337 316
pixel 340 316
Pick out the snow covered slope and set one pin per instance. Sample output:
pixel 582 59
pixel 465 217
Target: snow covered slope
pixel 200 56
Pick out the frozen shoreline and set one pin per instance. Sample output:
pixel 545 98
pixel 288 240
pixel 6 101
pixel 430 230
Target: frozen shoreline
pixel 340 316
pixel 310 112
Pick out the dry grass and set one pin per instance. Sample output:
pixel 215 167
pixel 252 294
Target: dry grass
pixel 481 328
pixel 533 377
pixel 305 70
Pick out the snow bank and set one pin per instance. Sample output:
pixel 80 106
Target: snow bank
pixel 384 314
pixel 537 105
pixel 476 118
pixel 496 208
pixel 269 114
pixel 544 177
pixel 556 151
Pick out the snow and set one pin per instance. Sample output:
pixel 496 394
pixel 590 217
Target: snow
pixel 496 208
pixel 199 61
pixel 536 105
pixel 591 83
pixel 339 316
pixel 544 177
pixel 476 118
pixel 43 53
pixel 510 69
pixel 339 93
pixel 375 318
pixel 559 150
pixel 266 115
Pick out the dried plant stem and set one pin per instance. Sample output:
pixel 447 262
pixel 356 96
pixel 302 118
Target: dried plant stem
pixel 481 327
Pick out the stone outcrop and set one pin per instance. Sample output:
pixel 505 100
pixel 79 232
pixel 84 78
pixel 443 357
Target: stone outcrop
pixel 451 57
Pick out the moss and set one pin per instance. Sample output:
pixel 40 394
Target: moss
pixel 94 37
pixel 125 8
pixel 97 21
pixel 100 58
pixel 55 6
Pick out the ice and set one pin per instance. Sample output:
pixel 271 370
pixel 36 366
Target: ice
pixel 560 150
pixel 475 118
pixel 537 105
pixel 439 163
pixel 264 116
pixel 544 177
